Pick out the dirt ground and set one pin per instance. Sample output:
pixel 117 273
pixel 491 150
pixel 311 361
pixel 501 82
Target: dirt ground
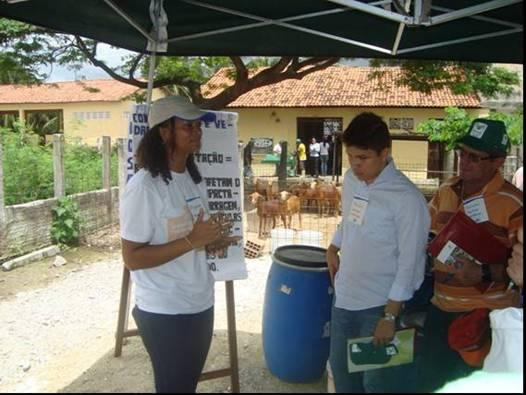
pixel 58 326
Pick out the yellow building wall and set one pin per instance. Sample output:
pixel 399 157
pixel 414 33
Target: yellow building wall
pixel 88 130
pixel 281 124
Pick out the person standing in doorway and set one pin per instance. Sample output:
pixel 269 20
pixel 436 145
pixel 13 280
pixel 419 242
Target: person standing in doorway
pixel 301 152
pixel 377 255
pixel 324 155
pixel 166 233
pixel 247 161
pixel 314 156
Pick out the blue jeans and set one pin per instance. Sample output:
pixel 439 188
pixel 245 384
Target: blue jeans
pixel 177 345
pixel 315 166
pixel 324 161
pixel 346 325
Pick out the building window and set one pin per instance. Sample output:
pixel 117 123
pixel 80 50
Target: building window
pixel 44 122
pixel 332 126
pixel 402 123
pixel 7 118
pixel 80 116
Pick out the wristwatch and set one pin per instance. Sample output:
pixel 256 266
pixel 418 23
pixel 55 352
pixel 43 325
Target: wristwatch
pixel 389 317
pixel 486 273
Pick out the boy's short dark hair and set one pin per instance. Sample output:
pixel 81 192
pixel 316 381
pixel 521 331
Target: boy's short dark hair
pixel 367 131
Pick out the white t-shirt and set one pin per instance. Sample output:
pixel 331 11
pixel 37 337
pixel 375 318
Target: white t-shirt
pixel 314 150
pixel 155 213
pixel 277 148
pixel 324 149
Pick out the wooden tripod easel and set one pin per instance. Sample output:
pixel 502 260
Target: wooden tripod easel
pixel 123 331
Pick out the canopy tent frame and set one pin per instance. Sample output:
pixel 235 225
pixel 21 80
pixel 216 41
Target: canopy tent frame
pixel 420 18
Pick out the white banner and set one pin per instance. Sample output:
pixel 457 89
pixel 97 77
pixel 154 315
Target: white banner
pixel 138 126
pixel 219 164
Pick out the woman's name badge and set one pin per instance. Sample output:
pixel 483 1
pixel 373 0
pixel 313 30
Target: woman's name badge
pixel 358 207
pixel 195 205
pixel 475 208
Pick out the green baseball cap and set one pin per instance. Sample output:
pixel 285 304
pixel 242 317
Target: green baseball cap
pixel 488 136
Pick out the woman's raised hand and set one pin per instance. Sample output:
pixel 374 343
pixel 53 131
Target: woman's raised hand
pixel 204 232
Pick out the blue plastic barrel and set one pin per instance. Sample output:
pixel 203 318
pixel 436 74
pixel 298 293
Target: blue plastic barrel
pixel 297 314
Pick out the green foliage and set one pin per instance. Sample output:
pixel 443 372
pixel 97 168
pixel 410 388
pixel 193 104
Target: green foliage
pixel 460 77
pixel 65 228
pixel 28 166
pixel 514 124
pixel 23 49
pixel 195 68
pixel 456 124
pixel 82 167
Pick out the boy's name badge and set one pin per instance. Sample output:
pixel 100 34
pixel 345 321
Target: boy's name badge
pixel 195 205
pixel 475 208
pixel 358 207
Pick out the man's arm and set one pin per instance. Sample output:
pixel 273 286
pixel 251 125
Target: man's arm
pixel 412 223
pixel 333 261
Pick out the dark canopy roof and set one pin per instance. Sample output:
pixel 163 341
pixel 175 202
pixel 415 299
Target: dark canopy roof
pixel 470 30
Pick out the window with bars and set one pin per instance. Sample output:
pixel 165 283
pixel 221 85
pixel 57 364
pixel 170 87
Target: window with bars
pixel 402 123
pixel 91 115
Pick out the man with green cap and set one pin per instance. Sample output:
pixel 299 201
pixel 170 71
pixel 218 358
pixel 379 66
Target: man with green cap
pixel 481 192
pixel 302 156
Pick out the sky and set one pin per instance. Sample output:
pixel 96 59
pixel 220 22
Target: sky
pixel 105 52
pixel 112 56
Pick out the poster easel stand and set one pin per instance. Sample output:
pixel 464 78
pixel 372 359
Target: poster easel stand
pixel 123 332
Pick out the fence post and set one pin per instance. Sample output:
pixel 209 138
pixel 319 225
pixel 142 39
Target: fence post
pixel 106 174
pixel 282 167
pixel 58 165
pixel 122 153
pixel 2 201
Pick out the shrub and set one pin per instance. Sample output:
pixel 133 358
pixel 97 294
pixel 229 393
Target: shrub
pixel 65 229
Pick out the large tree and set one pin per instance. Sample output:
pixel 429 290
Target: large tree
pixel 26 48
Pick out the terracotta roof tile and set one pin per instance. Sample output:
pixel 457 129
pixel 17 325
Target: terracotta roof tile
pixel 66 92
pixel 341 86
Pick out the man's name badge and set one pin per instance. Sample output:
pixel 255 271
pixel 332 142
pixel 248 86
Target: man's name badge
pixel 475 208
pixel 358 208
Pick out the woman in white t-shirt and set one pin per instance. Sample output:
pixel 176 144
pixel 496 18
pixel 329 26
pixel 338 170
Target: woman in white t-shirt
pixel 314 157
pixel 165 229
pixel 324 155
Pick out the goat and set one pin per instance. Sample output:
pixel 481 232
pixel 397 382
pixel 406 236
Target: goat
pixel 329 197
pixel 266 210
pixel 291 204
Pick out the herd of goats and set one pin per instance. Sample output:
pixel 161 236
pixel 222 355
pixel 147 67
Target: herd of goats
pixel 323 197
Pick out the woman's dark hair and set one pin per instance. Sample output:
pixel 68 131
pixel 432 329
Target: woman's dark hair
pixel 151 155
pixel 367 131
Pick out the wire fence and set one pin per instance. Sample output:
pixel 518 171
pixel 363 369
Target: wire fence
pixel 29 174
pixel 272 219
pixel 297 209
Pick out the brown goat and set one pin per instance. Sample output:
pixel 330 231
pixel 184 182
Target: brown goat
pixel 266 209
pixel 291 204
pixel 329 198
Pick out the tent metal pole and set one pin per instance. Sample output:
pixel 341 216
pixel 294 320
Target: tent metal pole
pixel 401 28
pixel 481 18
pixel 373 10
pixel 289 26
pixel 150 76
pixel 269 22
pixel 127 18
pixel 469 11
pixel 460 40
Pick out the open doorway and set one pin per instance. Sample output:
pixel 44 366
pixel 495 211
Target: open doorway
pixel 307 128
